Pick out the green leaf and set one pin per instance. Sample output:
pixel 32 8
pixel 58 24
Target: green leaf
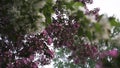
pixel 113 21
pixel 89 35
pixel 76 5
pixel 98 27
pixel 70 5
pixel 47 11
pixel 78 15
pixel 49 1
pixel 91 63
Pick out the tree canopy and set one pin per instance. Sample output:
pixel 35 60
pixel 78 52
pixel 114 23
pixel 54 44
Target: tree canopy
pixel 33 32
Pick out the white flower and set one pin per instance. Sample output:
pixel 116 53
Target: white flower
pixel 39 22
pixel 105 27
pixel 54 2
pixel 116 40
pixel 91 17
pixel 68 0
pixel 42 17
pixel 40 4
pixel 105 22
pixel 40 27
pixel 82 9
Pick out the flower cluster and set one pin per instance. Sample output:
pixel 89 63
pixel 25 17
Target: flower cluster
pixel 23 52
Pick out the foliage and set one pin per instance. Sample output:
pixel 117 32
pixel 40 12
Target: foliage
pixel 79 37
pixel 19 43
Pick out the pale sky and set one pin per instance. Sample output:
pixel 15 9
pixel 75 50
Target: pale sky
pixel 110 7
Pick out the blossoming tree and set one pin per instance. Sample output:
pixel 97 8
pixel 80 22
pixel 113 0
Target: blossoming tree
pixel 32 32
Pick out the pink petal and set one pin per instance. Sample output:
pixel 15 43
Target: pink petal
pixel 49 41
pixel 113 53
pixel 44 33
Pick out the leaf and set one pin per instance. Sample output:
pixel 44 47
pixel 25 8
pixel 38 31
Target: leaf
pixel 113 21
pixel 70 5
pixel 76 5
pixel 89 35
pixel 47 10
pixel 98 27
pixel 91 63
pixel 49 1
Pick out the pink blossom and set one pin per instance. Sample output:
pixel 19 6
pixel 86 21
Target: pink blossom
pixel 103 54
pixel 31 57
pixel 51 53
pixel 49 41
pixel 76 25
pixel 44 33
pixel 113 53
pixel 99 65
